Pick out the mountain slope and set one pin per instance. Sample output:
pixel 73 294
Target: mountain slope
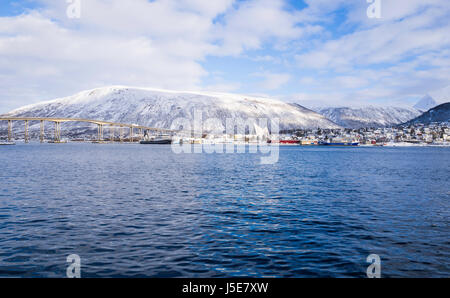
pixel 441 113
pixel 368 116
pixel 160 108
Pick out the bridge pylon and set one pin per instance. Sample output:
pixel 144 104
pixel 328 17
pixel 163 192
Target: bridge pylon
pixel 9 130
pixel 111 131
pixel 26 131
pixel 99 132
pixel 41 135
pixel 57 137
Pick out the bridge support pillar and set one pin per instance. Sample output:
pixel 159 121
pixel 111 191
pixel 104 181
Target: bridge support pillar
pixel 59 131
pixel 26 131
pixel 111 128
pixel 131 134
pixel 9 130
pixel 99 132
pixel 121 134
pixel 41 136
pixel 57 138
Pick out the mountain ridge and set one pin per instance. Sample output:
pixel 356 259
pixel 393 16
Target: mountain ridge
pixel 161 108
pixel 368 116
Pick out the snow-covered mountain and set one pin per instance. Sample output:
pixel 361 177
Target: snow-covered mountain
pixel 426 103
pixel 368 116
pixel 160 108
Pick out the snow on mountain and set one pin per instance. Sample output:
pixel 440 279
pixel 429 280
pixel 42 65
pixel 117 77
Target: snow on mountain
pixel 426 103
pixel 159 108
pixel 368 116
pixel 433 99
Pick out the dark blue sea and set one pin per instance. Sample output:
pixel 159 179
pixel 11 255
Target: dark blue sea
pixel 144 211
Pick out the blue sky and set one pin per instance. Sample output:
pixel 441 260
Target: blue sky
pixel 314 52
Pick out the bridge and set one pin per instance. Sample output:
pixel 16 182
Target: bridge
pixel 100 125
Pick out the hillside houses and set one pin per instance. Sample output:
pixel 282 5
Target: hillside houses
pixel 434 133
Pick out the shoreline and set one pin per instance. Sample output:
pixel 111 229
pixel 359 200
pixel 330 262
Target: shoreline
pixel 399 144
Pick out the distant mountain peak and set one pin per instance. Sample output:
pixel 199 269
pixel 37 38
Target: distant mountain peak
pixel 369 116
pixel 427 102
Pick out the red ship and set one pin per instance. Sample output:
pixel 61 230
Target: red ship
pixel 285 142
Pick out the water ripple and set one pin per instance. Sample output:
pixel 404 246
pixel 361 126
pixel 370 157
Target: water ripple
pixel 142 211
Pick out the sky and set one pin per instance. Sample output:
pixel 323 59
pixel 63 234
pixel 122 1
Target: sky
pixel 313 52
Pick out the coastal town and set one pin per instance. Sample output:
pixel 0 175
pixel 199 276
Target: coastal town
pixel 417 134
pixel 434 134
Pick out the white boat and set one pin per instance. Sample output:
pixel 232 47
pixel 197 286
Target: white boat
pixel 154 140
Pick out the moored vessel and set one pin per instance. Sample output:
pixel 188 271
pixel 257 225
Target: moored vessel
pixel 159 141
pixel 156 140
pixel 338 143
pixel 289 142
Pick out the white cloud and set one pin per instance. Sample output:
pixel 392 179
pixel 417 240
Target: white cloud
pixel 222 87
pixel 403 55
pixel 164 43
pixel 141 43
pixel 272 81
pixel 251 23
